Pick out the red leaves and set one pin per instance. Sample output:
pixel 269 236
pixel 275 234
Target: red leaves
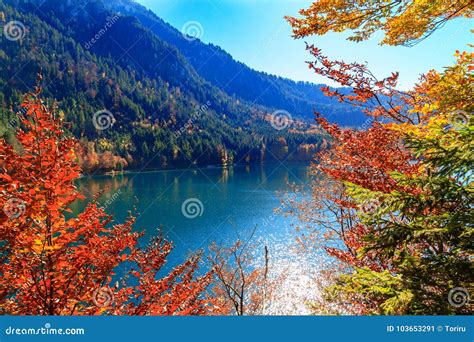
pixel 368 158
pixel 353 242
pixel 365 158
pixel 176 294
pixel 377 98
pixel 53 266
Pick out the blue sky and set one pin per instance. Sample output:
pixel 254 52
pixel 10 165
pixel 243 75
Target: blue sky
pixel 254 32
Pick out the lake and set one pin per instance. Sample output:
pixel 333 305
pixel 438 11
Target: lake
pixel 195 207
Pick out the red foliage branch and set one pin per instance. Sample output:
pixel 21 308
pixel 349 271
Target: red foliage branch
pixel 366 158
pixel 377 98
pixel 50 265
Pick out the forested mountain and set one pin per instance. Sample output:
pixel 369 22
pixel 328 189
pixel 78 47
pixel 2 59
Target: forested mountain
pixel 219 68
pixel 167 111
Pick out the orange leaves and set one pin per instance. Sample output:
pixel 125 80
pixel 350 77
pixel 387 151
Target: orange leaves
pixel 366 158
pixel 53 266
pixel 403 22
pixel 5 177
pixel 176 294
pixel 377 98
pixel 379 189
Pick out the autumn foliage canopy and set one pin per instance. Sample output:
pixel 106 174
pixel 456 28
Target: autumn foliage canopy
pixel 397 193
pixel 392 200
pixel 54 264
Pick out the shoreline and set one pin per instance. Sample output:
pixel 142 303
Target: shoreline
pixel 208 167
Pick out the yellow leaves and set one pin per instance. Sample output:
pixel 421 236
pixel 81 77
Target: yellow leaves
pixel 422 107
pixel 104 145
pixel 443 104
pixel 37 246
pixel 448 93
pixel 101 311
pixel 52 248
pixel 404 22
pixel 426 131
pixel 40 246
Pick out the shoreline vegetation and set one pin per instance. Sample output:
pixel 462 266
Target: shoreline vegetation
pixel 191 167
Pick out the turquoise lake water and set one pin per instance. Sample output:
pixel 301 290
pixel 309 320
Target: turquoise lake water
pixel 196 207
pixel 228 202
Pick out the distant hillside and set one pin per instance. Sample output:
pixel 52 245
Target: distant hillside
pixel 98 55
pixel 235 78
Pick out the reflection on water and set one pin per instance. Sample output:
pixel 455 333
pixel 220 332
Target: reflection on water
pixel 234 201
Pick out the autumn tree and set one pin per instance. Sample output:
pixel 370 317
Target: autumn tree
pixel 404 22
pixel 54 265
pixel 244 284
pixel 398 195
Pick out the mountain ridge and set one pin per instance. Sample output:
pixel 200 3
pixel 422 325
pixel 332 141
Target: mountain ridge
pixel 149 85
pixel 302 98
